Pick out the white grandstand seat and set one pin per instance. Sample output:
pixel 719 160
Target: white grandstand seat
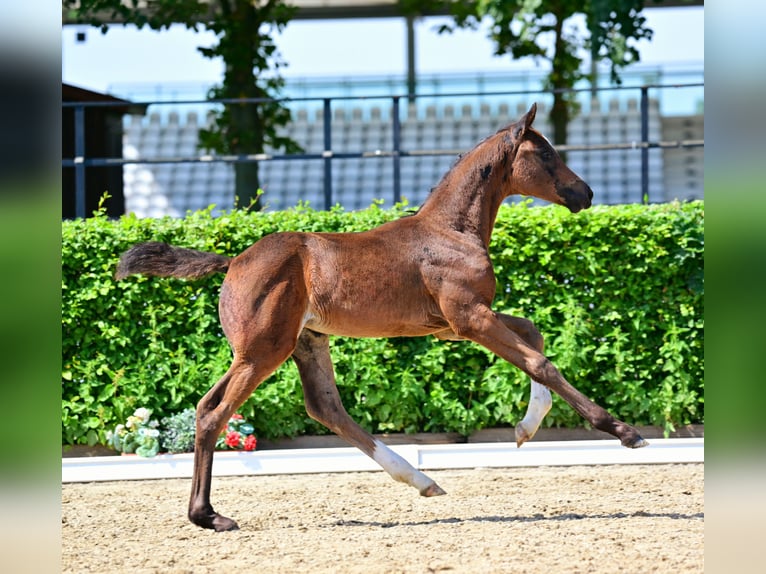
pixel 138 205
pixel 613 175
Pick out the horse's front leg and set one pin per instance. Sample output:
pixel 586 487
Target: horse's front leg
pixel 539 404
pixel 485 327
pixel 539 396
pixel 323 404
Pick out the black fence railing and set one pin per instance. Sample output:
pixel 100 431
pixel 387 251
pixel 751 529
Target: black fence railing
pixel 80 162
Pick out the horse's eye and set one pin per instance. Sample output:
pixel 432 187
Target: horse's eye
pixel 546 155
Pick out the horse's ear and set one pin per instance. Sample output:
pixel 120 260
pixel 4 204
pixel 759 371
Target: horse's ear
pixel 529 117
pixel 524 123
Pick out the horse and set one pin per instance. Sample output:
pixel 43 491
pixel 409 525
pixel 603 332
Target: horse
pixel 427 273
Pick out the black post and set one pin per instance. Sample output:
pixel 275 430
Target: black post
pixel 327 154
pixel 397 132
pixel 411 73
pixel 644 142
pixel 79 161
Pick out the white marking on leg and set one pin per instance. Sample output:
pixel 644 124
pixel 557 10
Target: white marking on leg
pixel 538 407
pixel 399 468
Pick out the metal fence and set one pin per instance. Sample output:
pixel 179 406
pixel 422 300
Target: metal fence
pixel 396 151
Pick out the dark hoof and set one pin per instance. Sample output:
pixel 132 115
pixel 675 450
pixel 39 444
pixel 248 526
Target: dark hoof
pixel 636 442
pixel 214 521
pixel 223 524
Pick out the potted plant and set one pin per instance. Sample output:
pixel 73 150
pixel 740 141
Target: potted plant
pixel 139 435
pixel 177 432
pixel 238 435
pixel 144 436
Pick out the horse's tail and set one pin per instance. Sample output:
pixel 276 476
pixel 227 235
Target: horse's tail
pixel 163 260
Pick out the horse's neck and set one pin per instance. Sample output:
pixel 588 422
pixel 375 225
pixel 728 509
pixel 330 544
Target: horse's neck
pixel 468 198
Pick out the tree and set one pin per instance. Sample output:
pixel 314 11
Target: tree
pixel 540 29
pixel 244 31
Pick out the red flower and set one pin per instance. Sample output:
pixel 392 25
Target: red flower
pixel 250 442
pixel 237 417
pixel 232 439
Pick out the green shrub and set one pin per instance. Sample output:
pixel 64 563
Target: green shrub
pixel 617 291
pixel 177 431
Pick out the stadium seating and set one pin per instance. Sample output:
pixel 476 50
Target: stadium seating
pixel 158 189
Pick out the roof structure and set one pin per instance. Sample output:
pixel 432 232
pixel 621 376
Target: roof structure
pixel 72 93
pixel 332 9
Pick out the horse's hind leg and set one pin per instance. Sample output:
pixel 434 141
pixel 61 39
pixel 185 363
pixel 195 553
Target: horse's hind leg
pixel 213 412
pixel 539 395
pixel 323 404
pixel 262 328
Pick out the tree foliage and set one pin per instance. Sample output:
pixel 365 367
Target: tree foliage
pixel 544 30
pixel 244 31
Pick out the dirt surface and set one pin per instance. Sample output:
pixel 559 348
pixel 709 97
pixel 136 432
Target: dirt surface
pixel 642 518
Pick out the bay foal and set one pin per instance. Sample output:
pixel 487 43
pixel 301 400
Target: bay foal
pixel 426 274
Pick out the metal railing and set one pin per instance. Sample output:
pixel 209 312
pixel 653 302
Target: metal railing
pixel 80 162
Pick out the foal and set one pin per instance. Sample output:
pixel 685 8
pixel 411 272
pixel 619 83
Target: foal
pixel 427 274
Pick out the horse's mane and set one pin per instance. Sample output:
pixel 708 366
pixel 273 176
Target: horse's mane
pixel 460 158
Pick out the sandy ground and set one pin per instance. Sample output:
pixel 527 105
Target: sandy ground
pixel 643 518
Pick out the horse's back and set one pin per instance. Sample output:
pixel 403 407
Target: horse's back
pixel 354 284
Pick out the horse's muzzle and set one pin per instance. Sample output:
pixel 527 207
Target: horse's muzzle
pixel 576 196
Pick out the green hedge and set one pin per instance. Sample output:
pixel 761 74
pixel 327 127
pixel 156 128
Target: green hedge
pixel 616 291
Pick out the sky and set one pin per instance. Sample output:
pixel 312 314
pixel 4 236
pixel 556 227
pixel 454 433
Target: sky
pixel 334 48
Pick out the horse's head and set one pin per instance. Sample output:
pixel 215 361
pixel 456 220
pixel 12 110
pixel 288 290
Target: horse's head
pixel 539 171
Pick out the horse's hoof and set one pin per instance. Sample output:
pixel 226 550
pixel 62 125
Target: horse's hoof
pixel 522 435
pixel 432 490
pixel 637 442
pixel 213 521
pixel 223 524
